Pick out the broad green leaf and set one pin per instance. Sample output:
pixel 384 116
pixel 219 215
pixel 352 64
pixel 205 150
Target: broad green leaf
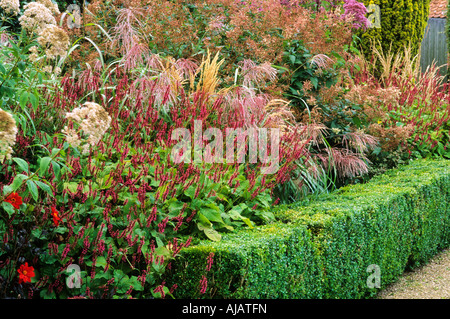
pixel 210 232
pixel 45 162
pixel 46 188
pixel 23 99
pixel 17 182
pixel 23 165
pixel 56 169
pixel 33 189
pixel 9 209
pixel 212 214
pixel 34 101
pixel 100 262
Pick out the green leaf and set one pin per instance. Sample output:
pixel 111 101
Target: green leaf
pixel 210 232
pixel 43 166
pixel 315 82
pixel 23 99
pixel 72 187
pixel 9 209
pixel 212 214
pixel 33 189
pixel 34 101
pixel 100 262
pixel 21 65
pixel 56 169
pixel 17 182
pixel 46 188
pixel 203 220
pixel 23 165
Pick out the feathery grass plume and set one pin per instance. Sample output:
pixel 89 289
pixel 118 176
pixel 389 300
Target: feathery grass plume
pixel 344 162
pixel 322 61
pixel 54 40
pixel 10 6
pixel 403 71
pixel 124 33
pixel 209 69
pixel 36 17
pixel 359 141
pixel 93 120
pixel 8 133
pixel 254 74
pixel 279 115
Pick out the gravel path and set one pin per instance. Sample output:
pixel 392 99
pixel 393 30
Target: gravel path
pixel 431 281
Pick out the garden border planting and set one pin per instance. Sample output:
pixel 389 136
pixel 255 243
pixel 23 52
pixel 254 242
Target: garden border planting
pixel 328 246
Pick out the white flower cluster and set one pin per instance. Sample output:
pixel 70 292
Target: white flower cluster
pixel 36 17
pixel 93 120
pixel 54 40
pixel 53 7
pixel 8 133
pixel 10 6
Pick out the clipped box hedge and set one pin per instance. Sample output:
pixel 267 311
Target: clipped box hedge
pixel 323 246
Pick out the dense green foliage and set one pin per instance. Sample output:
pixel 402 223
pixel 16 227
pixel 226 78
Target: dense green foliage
pixel 402 22
pixel 323 247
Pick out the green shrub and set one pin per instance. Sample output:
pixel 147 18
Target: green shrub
pixel 401 22
pixel 323 246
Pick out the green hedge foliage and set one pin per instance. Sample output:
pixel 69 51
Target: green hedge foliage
pixel 323 247
pixel 402 22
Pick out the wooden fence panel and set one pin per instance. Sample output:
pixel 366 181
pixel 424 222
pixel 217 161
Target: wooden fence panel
pixel 434 45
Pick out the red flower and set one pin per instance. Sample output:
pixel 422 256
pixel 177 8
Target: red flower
pixel 55 215
pixel 14 199
pixel 25 273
